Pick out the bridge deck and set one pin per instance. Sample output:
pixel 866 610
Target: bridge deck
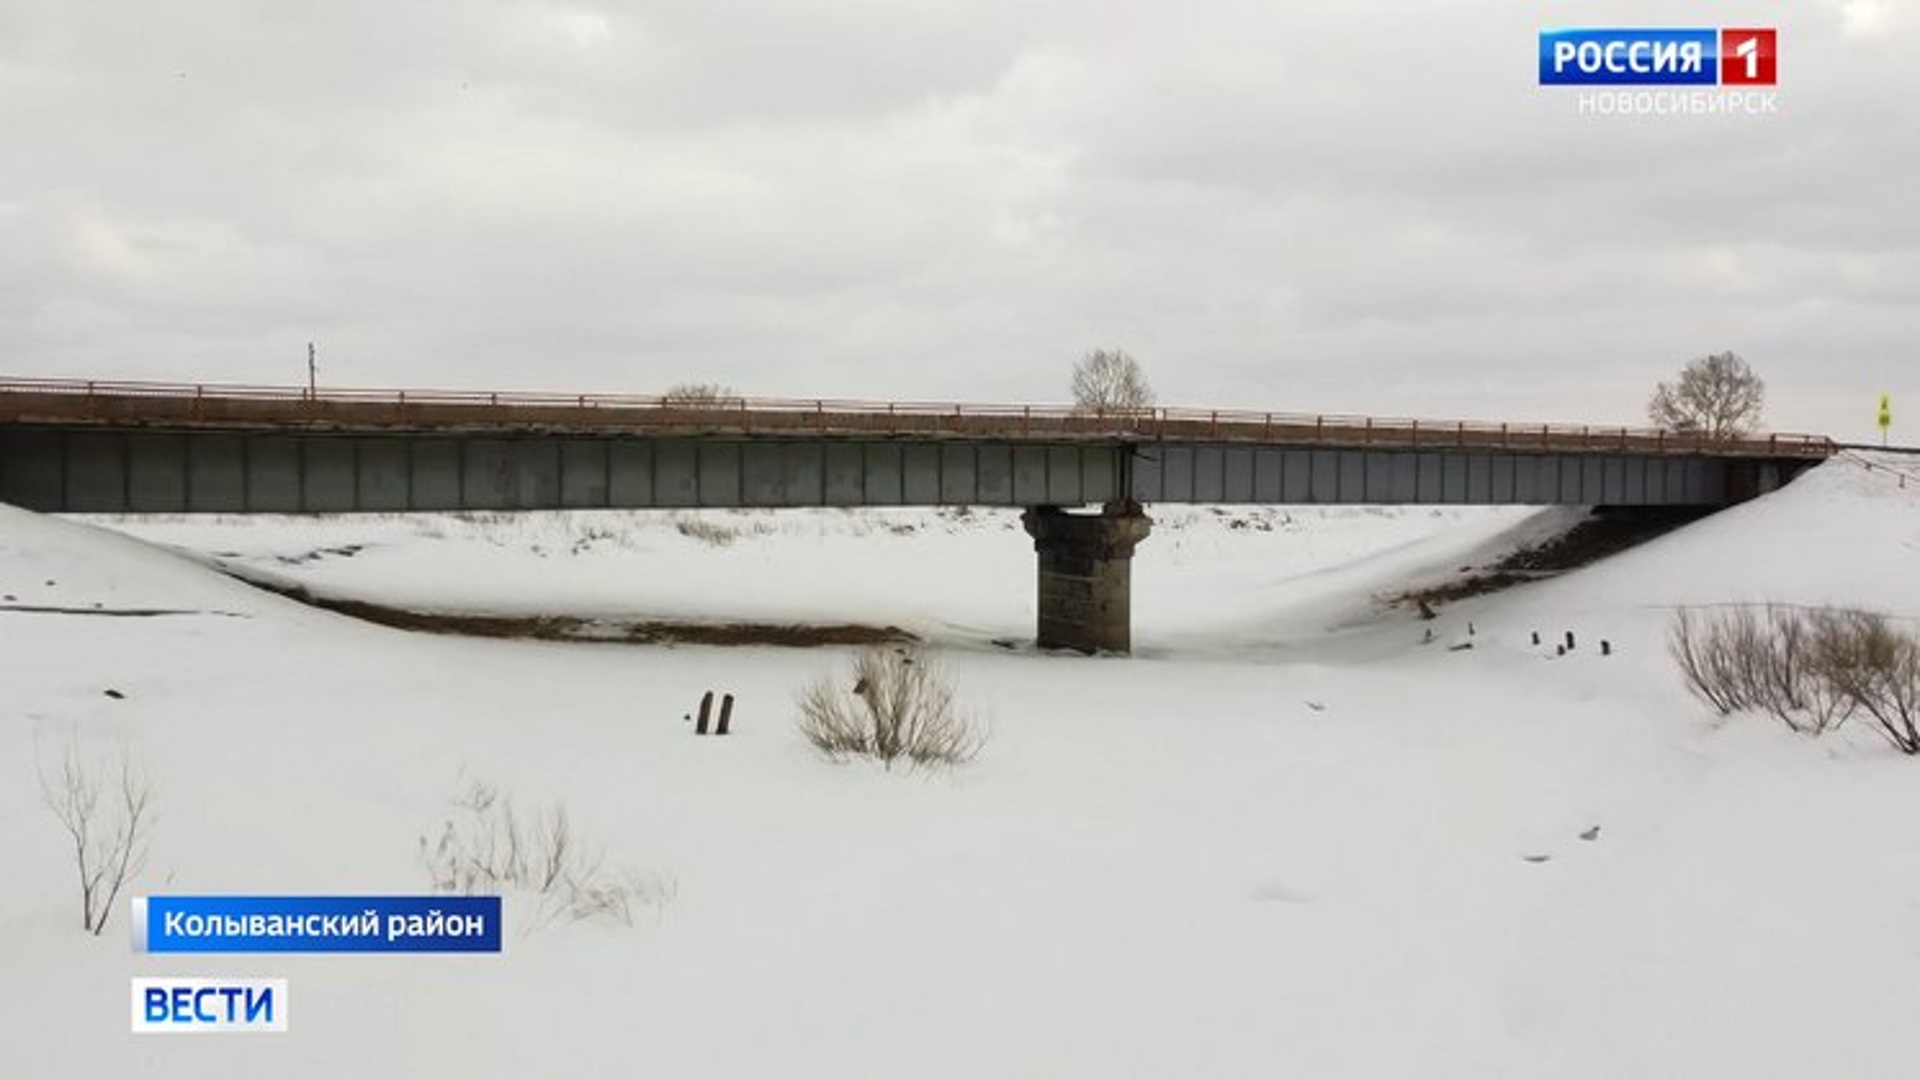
pixel 84 403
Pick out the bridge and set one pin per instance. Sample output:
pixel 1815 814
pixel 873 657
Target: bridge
pixel 79 446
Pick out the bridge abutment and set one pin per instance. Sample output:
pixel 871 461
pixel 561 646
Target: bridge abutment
pixel 1086 575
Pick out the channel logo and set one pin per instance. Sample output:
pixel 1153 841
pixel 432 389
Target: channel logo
pixel 1746 56
pixel 189 1005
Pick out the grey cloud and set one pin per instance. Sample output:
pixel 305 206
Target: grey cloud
pixel 1315 206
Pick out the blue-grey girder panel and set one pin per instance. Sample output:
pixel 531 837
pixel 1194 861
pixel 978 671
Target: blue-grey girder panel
pixel 959 473
pixel 96 471
pixel 1148 472
pixel 434 474
pixel 1323 481
pixel 330 477
pixel 1350 477
pixel 1066 479
pixel 846 481
pixel 719 482
pixel 885 480
pixel 993 466
pixel 156 473
pixel 1279 476
pixel 783 474
pixel 920 472
pixel 383 474
pixel 1425 476
pixel 1101 475
pixel 585 473
pixel 105 470
pixel 1209 474
pixel 1030 475
pixel 273 475
pixel 676 473
pixel 629 472
pixel 1455 470
pixel 217 473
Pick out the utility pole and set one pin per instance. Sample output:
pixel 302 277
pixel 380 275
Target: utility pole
pixel 312 389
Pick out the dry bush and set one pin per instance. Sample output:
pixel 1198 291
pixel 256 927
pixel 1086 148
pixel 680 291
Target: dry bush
pixel 1875 668
pixel 484 518
pixel 1747 659
pixel 896 703
pixel 1700 647
pixel 1801 686
pixel 109 840
pixel 703 395
pixel 711 533
pixel 488 848
pixel 588 535
pixel 1811 669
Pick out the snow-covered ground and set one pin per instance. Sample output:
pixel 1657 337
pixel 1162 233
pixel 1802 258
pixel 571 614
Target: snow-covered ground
pixel 1284 839
pixel 1204 581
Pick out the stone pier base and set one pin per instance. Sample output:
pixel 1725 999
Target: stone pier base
pixel 1086 575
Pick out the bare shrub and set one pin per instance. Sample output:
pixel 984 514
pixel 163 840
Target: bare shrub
pixel 895 703
pixel 484 518
pixel 711 533
pixel 704 395
pixel 588 535
pixel 487 847
pixel 1695 649
pixel 1810 669
pixel 1875 668
pixel 110 840
pixel 1800 690
pixel 1766 660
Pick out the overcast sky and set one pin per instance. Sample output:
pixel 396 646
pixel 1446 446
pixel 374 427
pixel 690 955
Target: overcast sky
pixel 1351 206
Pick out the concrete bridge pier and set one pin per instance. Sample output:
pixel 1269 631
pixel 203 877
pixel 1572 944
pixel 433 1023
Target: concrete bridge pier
pixel 1086 575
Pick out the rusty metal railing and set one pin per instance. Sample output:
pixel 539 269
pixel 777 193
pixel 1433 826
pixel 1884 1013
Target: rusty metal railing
pixel 132 403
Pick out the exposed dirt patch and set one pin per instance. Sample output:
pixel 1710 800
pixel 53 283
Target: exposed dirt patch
pixel 346 551
pixel 1608 532
pixel 124 613
pixel 574 628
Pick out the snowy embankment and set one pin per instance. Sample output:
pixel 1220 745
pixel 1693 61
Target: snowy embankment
pixel 953 576
pixel 1285 839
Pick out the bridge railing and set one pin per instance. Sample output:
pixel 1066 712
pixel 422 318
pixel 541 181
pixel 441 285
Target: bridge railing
pixel 134 402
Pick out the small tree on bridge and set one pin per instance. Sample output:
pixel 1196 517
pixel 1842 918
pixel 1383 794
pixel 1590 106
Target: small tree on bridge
pixel 1718 396
pixel 1110 380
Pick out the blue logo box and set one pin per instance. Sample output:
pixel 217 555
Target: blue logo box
pixel 1629 57
pixel 280 924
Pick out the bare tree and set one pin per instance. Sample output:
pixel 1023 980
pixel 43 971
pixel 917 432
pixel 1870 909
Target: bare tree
pixel 1718 396
pixel 702 395
pixel 109 842
pixel 1110 380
